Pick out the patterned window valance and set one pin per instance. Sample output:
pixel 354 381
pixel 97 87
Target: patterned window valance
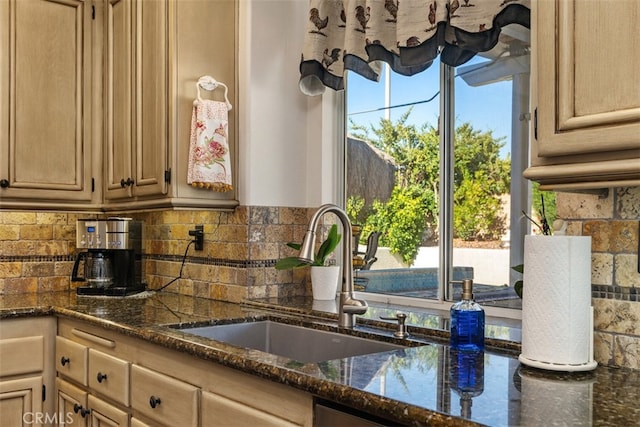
pixel 407 34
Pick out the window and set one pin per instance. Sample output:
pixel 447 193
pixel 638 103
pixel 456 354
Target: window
pixel 443 213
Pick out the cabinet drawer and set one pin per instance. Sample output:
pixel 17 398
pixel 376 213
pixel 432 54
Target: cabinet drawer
pixel 71 359
pixel 12 355
pixel 163 399
pixel 109 375
pixel 227 412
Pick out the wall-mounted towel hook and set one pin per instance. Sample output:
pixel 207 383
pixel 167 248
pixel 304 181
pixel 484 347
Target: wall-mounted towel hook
pixel 210 84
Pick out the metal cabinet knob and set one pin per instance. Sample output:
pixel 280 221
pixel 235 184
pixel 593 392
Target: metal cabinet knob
pixel 101 377
pixel 78 409
pixel 129 182
pixel 4 183
pixel 64 360
pixel 154 401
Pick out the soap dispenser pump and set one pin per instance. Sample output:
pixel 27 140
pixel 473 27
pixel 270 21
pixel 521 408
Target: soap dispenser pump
pixel 467 321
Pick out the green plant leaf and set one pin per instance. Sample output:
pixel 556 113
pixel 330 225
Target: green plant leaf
pixel 519 268
pixel 518 288
pixel 328 246
pixel 289 263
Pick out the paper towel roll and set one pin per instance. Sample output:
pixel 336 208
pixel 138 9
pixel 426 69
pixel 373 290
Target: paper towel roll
pixel 557 320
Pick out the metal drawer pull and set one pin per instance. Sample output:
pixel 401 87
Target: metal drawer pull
pixel 93 338
pixel 101 377
pixel 154 401
pixel 64 360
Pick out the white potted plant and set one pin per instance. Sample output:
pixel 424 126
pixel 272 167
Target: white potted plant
pixel 324 277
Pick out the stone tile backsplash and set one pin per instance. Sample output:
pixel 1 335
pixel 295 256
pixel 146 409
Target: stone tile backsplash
pixel 37 250
pixel 613 222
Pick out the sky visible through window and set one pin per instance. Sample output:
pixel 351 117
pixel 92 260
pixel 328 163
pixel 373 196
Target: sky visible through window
pixel 487 107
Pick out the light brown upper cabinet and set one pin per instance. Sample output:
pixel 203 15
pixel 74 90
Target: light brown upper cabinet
pixel 585 94
pixel 96 100
pixel 155 52
pixel 46 104
pixel 206 43
pixel 136 98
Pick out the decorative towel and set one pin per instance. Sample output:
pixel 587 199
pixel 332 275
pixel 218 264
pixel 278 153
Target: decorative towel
pixel 209 160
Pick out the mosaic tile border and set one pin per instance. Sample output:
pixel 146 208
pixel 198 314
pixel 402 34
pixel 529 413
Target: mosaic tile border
pixel 615 292
pixel 36 258
pixel 175 258
pixel 214 261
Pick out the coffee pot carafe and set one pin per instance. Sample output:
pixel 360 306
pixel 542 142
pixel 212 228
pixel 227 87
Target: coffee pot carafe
pixel 98 269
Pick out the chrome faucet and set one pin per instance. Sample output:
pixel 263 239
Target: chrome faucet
pixel 348 305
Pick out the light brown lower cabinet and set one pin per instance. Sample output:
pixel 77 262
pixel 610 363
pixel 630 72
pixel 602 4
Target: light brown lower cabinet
pixel 109 376
pixel 20 400
pixel 163 399
pixel 105 415
pixel 72 359
pixel 125 381
pixel 72 404
pixel 218 410
pixel 137 423
pixel 26 372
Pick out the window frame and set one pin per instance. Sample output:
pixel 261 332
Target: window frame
pixel 446 125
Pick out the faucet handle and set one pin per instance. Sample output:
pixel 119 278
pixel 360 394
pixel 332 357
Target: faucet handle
pixel 402 328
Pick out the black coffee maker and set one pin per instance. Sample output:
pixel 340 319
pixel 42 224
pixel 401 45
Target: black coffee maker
pixel 112 262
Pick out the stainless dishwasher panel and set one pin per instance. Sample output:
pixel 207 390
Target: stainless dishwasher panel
pixel 325 416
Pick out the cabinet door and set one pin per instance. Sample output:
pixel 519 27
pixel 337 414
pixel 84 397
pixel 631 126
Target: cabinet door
pixel 45 101
pixel 136 91
pixel 206 43
pixel 119 133
pixel 588 101
pixel 586 104
pixel 137 423
pixel 72 405
pixel 20 401
pixel 26 381
pixel 105 415
pixel 151 96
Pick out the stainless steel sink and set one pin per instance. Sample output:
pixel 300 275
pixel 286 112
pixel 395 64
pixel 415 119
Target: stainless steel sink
pixel 294 342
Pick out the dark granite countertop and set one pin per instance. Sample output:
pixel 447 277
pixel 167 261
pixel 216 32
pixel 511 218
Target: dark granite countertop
pixel 425 384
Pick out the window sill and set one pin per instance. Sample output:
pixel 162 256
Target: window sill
pixel 500 323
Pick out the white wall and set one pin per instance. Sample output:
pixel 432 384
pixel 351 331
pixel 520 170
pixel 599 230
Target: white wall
pixel 286 144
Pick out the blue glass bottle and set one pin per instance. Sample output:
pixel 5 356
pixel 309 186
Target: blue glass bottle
pixel 467 321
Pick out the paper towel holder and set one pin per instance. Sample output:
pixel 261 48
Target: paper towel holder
pixel 557 315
